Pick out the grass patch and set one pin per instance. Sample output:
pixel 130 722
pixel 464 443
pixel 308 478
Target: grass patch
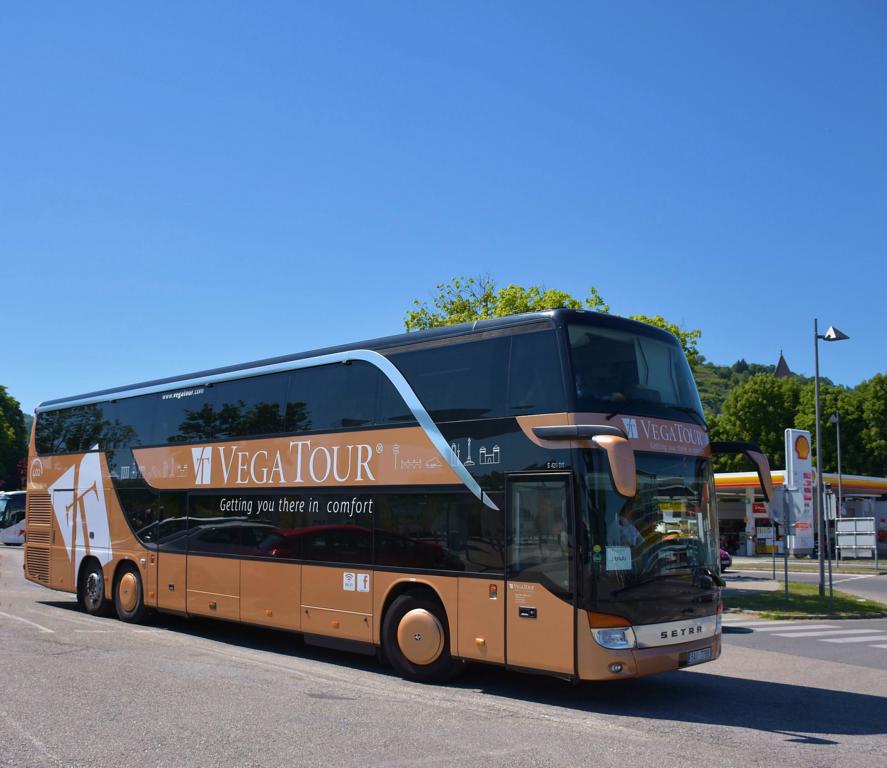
pixel 804 602
pixel 802 567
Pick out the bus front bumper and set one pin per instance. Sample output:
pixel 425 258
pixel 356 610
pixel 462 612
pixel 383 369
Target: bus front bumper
pixel 598 663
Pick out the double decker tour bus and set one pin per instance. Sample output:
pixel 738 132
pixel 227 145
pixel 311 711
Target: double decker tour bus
pixel 534 491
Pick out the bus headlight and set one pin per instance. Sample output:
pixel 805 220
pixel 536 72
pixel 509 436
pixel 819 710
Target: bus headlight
pixel 616 638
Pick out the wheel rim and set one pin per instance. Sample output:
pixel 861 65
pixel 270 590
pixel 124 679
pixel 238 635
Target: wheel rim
pixel 128 592
pixel 420 636
pixel 94 589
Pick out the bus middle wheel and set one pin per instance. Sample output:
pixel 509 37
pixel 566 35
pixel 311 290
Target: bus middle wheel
pixel 416 640
pixel 128 595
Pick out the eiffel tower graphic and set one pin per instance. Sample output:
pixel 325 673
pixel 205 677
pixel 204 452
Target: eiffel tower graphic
pixel 469 462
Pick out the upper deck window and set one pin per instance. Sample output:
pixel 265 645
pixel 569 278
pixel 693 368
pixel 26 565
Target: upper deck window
pixel 615 368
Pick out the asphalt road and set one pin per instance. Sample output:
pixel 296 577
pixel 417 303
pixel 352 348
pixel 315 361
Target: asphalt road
pixel 82 691
pixel 860 642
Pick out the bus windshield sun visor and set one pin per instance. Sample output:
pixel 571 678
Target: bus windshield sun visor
pixel 620 454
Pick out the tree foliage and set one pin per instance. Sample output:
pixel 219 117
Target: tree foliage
pixel 464 300
pixel 689 338
pixel 763 407
pixel 13 440
pixel 872 420
pixel 758 410
pixel 715 382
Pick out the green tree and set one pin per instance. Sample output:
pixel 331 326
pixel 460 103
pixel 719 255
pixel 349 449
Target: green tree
pixel 689 338
pixel 464 300
pixel 846 402
pixel 872 417
pixel 13 440
pixel 759 410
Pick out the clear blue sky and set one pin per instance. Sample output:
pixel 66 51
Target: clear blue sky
pixel 185 185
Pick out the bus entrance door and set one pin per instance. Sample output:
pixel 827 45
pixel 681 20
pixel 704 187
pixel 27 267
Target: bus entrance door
pixel 539 593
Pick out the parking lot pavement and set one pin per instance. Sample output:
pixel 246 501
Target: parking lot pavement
pixel 86 691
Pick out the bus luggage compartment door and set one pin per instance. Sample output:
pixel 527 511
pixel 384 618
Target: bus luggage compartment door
pixel 539 592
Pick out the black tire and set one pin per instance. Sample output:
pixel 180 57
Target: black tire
pixel 443 667
pixel 91 590
pixel 129 595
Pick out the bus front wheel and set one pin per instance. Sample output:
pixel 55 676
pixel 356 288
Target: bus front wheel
pixel 416 640
pixel 129 599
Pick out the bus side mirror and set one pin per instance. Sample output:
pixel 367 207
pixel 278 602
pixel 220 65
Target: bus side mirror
pixel 620 457
pixel 756 455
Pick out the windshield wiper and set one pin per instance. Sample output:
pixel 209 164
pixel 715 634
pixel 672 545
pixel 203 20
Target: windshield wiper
pixel 706 571
pixel 690 411
pixel 658 577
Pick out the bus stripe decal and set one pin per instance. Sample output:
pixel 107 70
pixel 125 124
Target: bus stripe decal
pixel 388 369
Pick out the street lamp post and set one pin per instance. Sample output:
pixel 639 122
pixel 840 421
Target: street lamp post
pixel 832 334
pixel 835 419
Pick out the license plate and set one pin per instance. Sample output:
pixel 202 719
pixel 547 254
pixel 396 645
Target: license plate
pixel 697 657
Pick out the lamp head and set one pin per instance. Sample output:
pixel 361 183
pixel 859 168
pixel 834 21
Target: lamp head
pixel 833 334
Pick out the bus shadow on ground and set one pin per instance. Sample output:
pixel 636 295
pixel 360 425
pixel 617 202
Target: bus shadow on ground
pixel 244 636
pixel 796 711
pixel 801 713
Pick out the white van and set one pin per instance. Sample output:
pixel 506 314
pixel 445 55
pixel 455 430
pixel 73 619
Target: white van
pixel 12 517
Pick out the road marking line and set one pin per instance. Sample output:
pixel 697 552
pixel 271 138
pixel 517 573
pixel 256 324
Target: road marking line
pixel 879 646
pixel 828 632
pixel 851 578
pixel 268 664
pixel 756 623
pixel 867 639
pixel 796 629
pixel 71 619
pixel 39 745
pixel 32 623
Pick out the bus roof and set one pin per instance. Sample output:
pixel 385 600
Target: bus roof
pixel 554 317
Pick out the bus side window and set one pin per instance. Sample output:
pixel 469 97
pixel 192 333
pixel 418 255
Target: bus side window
pixel 136 417
pixel 252 406
pixel 457 381
pixel 331 397
pixel 540 535
pixel 535 382
pixel 71 430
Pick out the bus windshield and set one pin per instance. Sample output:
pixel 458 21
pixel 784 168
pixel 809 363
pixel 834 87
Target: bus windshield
pixel 613 368
pixel 666 533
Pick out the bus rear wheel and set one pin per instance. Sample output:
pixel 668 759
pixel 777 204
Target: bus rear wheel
pixel 416 640
pixel 91 590
pixel 129 597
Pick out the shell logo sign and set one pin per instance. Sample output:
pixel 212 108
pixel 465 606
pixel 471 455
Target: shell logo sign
pixel 802 447
pixel 799 487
